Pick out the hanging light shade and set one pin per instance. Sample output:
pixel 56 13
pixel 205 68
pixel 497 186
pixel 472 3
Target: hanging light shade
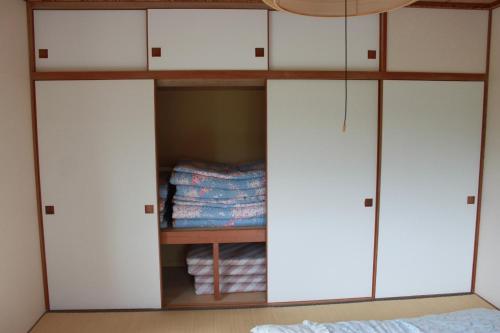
pixel 337 8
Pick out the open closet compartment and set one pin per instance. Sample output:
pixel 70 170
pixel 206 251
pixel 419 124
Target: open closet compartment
pixel 211 153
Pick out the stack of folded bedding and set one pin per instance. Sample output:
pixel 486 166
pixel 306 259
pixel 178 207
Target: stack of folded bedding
pixel 213 195
pixel 242 268
pixel 163 194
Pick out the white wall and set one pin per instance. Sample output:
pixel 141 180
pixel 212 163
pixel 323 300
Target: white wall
pixel 21 287
pixel 488 272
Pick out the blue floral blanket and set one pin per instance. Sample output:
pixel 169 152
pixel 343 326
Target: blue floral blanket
pixel 205 212
pixel 218 202
pixel 217 193
pixel 221 170
pixel 194 179
pixel 219 223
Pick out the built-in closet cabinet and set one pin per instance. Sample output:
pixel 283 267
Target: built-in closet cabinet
pixel 321 184
pixel 96 143
pixel 430 40
pixel 430 169
pixel 312 43
pixel 207 39
pixel 85 40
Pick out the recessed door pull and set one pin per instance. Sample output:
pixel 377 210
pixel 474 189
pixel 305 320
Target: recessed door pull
pixel 49 210
pixel 149 209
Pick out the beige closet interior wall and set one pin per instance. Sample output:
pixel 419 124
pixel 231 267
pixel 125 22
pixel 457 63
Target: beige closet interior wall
pixel 488 271
pixel 21 286
pixel 214 124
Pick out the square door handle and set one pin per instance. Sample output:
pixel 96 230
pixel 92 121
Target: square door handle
pixel 149 209
pixel 372 54
pixel 259 52
pixel 43 53
pixel 156 52
pixel 49 210
pixel 368 202
pixel 471 199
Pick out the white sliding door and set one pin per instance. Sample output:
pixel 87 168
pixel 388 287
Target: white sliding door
pixel 317 43
pixel 207 39
pixel 320 234
pixel 86 40
pixel 97 167
pixel 430 166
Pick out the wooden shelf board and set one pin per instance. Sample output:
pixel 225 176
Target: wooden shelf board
pixel 209 236
pixel 251 76
pixel 179 294
pixel 221 4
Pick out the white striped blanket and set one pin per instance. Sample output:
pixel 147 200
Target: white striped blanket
pixel 231 279
pixel 208 288
pixel 229 255
pixel 228 270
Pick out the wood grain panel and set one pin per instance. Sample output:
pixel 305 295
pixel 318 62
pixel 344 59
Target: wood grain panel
pixel 205 236
pixel 252 75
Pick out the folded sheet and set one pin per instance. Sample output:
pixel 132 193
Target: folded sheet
pixel 231 279
pixel 228 270
pixel 217 205
pixel 221 170
pixel 219 223
pixel 208 288
pixel 218 202
pixel 183 178
pixel 216 193
pixel 229 254
pixel 205 212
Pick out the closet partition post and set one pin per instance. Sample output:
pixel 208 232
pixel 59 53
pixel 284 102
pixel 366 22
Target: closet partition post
pixel 215 255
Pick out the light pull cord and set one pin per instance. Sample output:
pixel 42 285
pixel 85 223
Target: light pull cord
pixel 344 126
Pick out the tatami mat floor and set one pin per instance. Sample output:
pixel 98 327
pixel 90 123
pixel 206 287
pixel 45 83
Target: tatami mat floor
pixel 242 320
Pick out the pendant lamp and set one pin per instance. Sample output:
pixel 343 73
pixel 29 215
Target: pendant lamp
pixel 336 8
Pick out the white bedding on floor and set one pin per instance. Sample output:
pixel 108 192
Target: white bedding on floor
pixel 467 321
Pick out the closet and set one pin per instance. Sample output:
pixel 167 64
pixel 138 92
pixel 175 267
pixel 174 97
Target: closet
pixel 98 190
pixel 430 170
pixel 386 208
pixel 321 189
pixel 217 123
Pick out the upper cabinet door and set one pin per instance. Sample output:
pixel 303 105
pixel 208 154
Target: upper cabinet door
pixel 207 39
pixel 80 40
pixel 430 166
pixel 98 171
pixel 321 185
pixel 307 43
pixel 429 40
